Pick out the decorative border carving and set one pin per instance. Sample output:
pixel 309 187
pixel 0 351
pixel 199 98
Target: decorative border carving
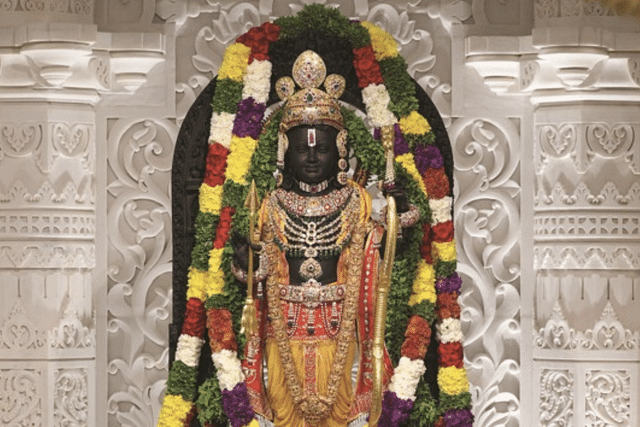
pixel 139 267
pixel 20 140
pixel 556 397
pixel 549 9
pixel 582 225
pixel 71 333
pixel 71 7
pixel 47 224
pixel 46 142
pixel 601 256
pixel 583 197
pixel 21 387
pixel 607 334
pixel 487 159
pixel 608 398
pixel 19 333
pixel 582 142
pixel 47 255
pixel 71 398
pixel 46 196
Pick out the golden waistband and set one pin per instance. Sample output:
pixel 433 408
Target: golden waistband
pixel 312 293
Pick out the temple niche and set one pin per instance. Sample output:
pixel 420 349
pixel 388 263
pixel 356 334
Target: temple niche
pixel 540 99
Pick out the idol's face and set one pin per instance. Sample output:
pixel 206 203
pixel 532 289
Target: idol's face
pixel 312 157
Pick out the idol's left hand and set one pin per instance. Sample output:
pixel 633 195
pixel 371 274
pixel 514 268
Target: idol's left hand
pixel 398 193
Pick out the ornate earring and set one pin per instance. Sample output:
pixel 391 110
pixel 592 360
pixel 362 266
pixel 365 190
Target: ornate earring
pixel 341 142
pixel 283 145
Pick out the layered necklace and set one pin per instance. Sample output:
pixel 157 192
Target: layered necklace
pixel 316 227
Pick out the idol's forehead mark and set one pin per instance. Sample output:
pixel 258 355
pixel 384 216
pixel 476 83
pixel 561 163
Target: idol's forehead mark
pixel 311 137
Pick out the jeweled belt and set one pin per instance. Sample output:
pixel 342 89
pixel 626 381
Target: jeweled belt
pixel 312 294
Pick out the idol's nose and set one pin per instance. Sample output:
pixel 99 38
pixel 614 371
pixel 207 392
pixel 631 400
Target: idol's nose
pixel 313 155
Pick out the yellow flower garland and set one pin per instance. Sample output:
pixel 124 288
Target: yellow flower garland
pixel 424 284
pixel 452 380
pixel 239 158
pixel 383 43
pixel 235 61
pixel 215 277
pixel 407 161
pixel 174 411
pixel 444 251
pixel 210 198
pixel 415 123
pixel 196 284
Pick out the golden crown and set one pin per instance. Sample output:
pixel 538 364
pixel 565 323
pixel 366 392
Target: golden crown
pixel 310 105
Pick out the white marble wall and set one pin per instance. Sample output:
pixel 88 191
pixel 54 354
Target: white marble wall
pixel 542 103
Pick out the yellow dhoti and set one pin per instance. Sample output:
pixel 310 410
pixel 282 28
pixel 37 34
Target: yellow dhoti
pixel 313 361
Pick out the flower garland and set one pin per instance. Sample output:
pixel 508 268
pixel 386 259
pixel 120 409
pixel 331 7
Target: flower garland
pixel 236 155
pixel 426 166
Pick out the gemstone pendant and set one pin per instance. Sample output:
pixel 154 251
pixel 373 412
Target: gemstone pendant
pixel 310 269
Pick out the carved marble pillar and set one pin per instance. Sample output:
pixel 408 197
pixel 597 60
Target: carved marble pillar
pixel 59 79
pixel 586 218
pixel 47 218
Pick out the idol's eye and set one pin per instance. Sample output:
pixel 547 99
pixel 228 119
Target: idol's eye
pixel 298 146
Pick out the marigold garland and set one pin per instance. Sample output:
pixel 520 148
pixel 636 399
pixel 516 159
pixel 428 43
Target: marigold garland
pixel 210 198
pixel 196 284
pixel 174 411
pixel 234 64
pixel 193 324
pixel 453 380
pixel 414 123
pixel 383 43
pixel 446 251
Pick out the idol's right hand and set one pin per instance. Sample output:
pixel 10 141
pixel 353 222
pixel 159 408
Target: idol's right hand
pixel 240 245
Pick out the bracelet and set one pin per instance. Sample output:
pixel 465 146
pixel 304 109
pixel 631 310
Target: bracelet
pixel 407 219
pixel 259 275
pixel 410 217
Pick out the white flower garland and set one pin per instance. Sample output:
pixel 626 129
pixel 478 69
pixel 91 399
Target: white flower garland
pixel 376 99
pixel 406 376
pixel 449 330
pixel 221 128
pixel 257 81
pixel 441 209
pixel 229 369
pixel 188 351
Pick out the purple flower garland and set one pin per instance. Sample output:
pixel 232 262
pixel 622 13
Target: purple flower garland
pixel 237 406
pixel 458 418
pixel 449 284
pixel 248 120
pixel 395 411
pixel 427 156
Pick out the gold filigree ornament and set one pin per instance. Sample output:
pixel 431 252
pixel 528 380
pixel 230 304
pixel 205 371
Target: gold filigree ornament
pixel 310 105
